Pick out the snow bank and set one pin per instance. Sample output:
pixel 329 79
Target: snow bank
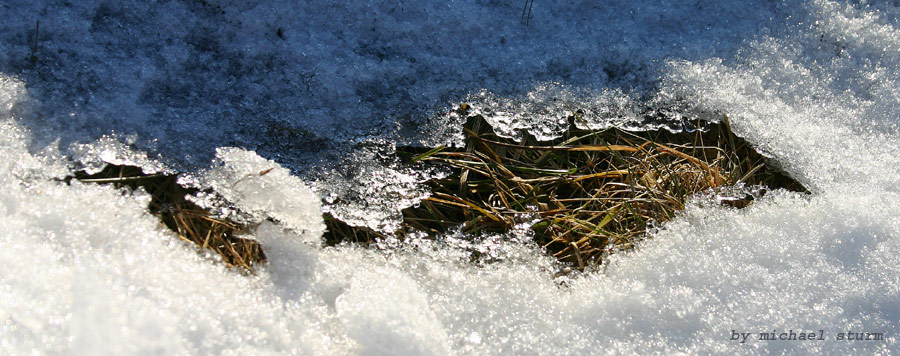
pixel 91 272
pixel 88 271
pixel 822 100
pixel 285 78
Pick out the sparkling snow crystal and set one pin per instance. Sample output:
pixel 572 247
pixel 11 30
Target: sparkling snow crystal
pixel 247 97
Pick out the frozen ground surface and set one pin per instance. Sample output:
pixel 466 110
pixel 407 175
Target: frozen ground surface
pixel 285 78
pixel 215 88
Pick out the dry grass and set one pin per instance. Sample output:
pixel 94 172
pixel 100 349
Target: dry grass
pixel 189 222
pixel 593 191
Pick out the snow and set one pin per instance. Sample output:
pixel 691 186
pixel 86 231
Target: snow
pixel 188 77
pixel 264 189
pixel 209 86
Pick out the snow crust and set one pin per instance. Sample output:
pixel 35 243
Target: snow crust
pixel 275 76
pixel 87 270
pixel 264 189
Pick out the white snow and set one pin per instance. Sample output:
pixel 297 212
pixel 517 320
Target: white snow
pixel 87 270
pixel 190 76
pixel 263 188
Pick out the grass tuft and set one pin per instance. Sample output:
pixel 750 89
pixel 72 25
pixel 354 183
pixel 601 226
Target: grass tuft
pixel 593 191
pixel 190 222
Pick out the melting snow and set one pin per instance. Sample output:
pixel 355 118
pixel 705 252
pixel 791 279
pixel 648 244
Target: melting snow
pixel 87 270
